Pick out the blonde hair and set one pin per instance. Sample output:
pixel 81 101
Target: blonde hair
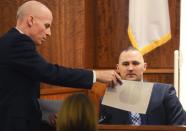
pixel 77 114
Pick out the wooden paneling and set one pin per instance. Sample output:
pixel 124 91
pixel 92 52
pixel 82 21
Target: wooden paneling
pixel 111 31
pixel 60 93
pixel 67 45
pixel 111 34
pixel 89 54
pixel 50 50
pixel 140 128
pixel 130 128
pixel 91 34
pixel 72 32
pixel 159 77
pixel 8 10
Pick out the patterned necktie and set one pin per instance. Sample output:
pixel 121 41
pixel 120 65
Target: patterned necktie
pixel 135 118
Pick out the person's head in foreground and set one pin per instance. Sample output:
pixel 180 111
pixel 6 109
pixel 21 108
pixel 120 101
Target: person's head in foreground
pixel 77 114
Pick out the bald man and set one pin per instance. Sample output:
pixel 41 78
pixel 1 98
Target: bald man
pixel 164 107
pixel 22 69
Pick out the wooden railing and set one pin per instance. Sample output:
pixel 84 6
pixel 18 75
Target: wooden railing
pixel 140 128
pixel 130 128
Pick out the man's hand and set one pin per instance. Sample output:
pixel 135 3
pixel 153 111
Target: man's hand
pixel 108 76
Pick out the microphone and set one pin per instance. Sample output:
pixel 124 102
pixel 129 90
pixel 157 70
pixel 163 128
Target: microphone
pixel 102 119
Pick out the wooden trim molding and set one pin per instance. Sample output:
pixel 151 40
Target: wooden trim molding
pixel 153 71
pixel 164 71
pixel 140 128
pixel 60 90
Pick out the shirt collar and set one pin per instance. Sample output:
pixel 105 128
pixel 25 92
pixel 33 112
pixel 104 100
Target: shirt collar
pixel 19 30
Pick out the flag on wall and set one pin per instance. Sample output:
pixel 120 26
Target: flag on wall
pixel 149 24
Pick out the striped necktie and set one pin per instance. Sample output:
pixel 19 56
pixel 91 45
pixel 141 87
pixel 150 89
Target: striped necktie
pixel 135 118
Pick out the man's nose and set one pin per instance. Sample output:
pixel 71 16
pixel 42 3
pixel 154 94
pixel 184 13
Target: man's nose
pixel 130 67
pixel 48 32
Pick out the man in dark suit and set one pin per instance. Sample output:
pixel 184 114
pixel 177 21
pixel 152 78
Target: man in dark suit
pixel 164 107
pixel 22 69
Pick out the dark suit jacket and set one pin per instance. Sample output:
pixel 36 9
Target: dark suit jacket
pixel 164 109
pixel 21 70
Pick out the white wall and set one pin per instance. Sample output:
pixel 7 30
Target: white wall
pixel 182 83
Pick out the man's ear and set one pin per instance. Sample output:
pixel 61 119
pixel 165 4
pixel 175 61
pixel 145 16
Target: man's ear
pixel 30 21
pixel 145 66
pixel 117 67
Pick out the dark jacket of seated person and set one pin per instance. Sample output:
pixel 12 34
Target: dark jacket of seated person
pixel 164 109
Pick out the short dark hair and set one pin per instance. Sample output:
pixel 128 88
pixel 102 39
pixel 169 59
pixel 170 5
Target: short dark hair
pixel 130 48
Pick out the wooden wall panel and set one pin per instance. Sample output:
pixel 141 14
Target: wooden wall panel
pixel 111 31
pixel 112 127
pixel 60 93
pixel 89 55
pixel 67 44
pixel 7 14
pixel 92 33
pixel 71 31
pixel 50 50
pixel 111 34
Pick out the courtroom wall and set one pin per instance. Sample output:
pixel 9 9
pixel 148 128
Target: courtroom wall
pixel 91 34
